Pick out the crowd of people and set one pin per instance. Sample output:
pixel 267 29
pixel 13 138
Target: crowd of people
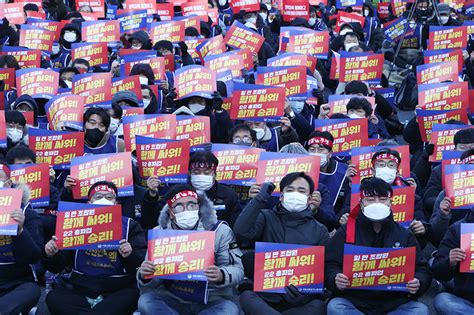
pixel 305 212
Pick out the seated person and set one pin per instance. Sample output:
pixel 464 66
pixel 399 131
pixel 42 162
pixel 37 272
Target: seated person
pixel 359 107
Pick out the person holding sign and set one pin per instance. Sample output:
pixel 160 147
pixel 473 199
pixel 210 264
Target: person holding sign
pixel 273 138
pixel 291 222
pixel 18 290
pixel 374 227
pixel 360 108
pixel 186 210
pixel 446 267
pixel 97 136
pixel 101 281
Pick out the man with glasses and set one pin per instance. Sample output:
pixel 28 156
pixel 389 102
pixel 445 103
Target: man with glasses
pixel 101 281
pixel 186 210
pixel 243 135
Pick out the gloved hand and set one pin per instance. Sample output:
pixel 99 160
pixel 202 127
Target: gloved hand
pixel 217 101
pixel 266 191
pixel 295 297
pixel 184 48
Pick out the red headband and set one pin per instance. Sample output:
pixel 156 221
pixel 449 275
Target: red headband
pixel 101 188
pixel 6 169
pixel 320 140
pixel 194 165
pixel 182 194
pixel 468 159
pixel 385 156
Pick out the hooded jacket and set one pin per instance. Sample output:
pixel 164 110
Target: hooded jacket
pixel 31 103
pixel 18 252
pixel 463 282
pixel 227 256
pixel 392 235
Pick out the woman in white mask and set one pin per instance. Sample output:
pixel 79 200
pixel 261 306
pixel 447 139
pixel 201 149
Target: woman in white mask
pixel 290 222
pixel 202 176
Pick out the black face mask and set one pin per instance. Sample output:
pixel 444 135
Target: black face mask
pixel 94 136
pixel 424 13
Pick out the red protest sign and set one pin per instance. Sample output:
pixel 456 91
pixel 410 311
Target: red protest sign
pixel 13 12
pixel 387 269
pixel 104 31
pixel 360 67
pixel 37 82
pixel 439 56
pixel 226 62
pixel 239 36
pixel 252 102
pixel 443 96
pixel 403 205
pixel 308 43
pixel 212 46
pixel 180 252
pixel 96 5
pixel 95 53
pixel 346 18
pixel 427 118
pixel 130 83
pixel 164 10
pixel 36 176
pixel 133 111
pixel 442 137
pixel 95 87
pixel 198 8
pixel 85 226
pixel 162 158
pixel 467 245
pixel 167 30
pixel 237 165
pixel 149 5
pixel 192 44
pixel 348 133
pixel 362 159
pixel 338 103
pixel 196 129
pixel 52 26
pixel 459 185
pixel 192 21
pixel 157 64
pixel 54 147
pixel 27 58
pixel 195 81
pixel 116 168
pixel 447 37
pixel 155 126
pixel 293 60
pixel 10 200
pixel 291 9
pixel 246 5
pixel 7 75
pixel 437 72
pixel 36 38
pixel 272 167
pixel 65 111
pixel 281 265
pixel 293 79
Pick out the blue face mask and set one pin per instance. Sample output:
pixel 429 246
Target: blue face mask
pixel 297 107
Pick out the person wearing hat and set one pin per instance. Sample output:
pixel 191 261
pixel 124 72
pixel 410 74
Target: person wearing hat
pixel 26 104
pixel 140 40
pixel 125 99
pixel 19 291
pixel 445 18
pixel 373 226
pixel 185 209
pixel 101 281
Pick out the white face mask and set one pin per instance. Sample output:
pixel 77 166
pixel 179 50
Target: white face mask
pixel 444 19
pixel 114 124
pixel 186 220
pixel 68 83
pixel 14 134
pixel 136 46
pixel 324 158
pixel 2 184
pixel 386 173
pixel 252 20
pixel 222 2
pixel 143 80
pixel 202 182
pixel 354 116
pixel 312 21
pixel 294 201
pixel 263 15
pixel 366 12
pixel 377 211
pixel 146 102
pixel 70 36
pixel 196 107
pixel 104 202
pixel 55 49
pixel 344 31
pixel 348 46
pixel 297 107
pixel 260 133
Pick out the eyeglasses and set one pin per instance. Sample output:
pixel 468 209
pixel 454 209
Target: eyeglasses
pixel 389 164
pixel 108 196
pixel 190 206
pixel 244 140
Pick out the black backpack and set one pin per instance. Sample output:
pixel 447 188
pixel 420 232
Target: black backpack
pixel 406 98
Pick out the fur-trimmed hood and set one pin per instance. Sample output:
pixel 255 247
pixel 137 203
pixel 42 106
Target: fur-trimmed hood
pixel 207 215
pixel 25 198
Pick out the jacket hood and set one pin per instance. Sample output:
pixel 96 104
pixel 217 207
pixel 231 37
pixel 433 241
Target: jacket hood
pixel 127 96
pixel 144 69
pixel 141 36
pixel 30 101
pixel 207 214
